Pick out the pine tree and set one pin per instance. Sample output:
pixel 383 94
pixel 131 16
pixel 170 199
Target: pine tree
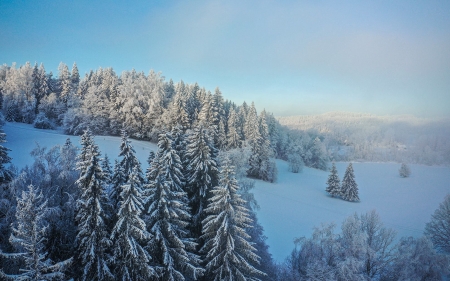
pixel 64 82
pixel 233 137
pixel 333 182
pixel 5 174
pixel 169 215
pixel 349 189
pixel 202 173
pixel 228 252
pixel 107 172
pixel 117 180
pixel 93 240
pixel 75 78
pixel 29 238
pixel 130 258
pixel 129 160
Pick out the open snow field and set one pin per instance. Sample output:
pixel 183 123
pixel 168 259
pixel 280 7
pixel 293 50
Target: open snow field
pixel 296 203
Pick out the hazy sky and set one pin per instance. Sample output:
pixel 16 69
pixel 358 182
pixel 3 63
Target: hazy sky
pixel 291 57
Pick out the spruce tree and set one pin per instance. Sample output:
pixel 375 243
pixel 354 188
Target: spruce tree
pixel 130 258
pixel 202 173
pixel 168 215
pixel 349 189
pixel 333 182
pixel 106 167
pixel 233 137
pixel 228 252
pixel 93 241
pixel 5 174
pixel 29 236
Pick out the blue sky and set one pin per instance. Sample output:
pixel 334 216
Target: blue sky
pixel 290 57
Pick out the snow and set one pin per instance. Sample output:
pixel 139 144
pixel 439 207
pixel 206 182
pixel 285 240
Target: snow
pixel 21 139
pixel 296 203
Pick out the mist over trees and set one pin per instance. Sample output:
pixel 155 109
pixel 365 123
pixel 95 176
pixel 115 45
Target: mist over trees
pixel 365 137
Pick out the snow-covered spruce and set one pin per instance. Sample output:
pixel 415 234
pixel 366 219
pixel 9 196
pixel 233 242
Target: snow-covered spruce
pixel 333 182
pixel 5 174
pixel 201 172
pixel 228 252
pixel 349 189
pixel 92 240
pixel 169 217
pixel 28 237
pixel 123 170
pixel 131 261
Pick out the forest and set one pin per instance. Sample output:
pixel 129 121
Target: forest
pixel 191 215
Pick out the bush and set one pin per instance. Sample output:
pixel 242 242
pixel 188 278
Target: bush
pixel 42 122
pixel 404 171
pixel 295 163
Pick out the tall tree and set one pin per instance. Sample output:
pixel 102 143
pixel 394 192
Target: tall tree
pixel 333 182
pixel 5 174
pixel 169 215
pixel 228 252
pixel 28 238
pixel 202 173
pixel 233 137
pixel 92 239
pixel 349 189
pixel 64 82
pixel 130 258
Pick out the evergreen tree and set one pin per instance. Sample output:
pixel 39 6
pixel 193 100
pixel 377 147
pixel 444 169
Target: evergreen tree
pixel 5 174
pixel 169 215
pixel 75 78
pixel 349 189
pixel 28 237
pixel 93 240
pixel 130 258
pixel 129 160
pixel 233 137
pixel 333 182
pixel 202 173
pixel 64 82
pixel 117 180
pixel 228 252
pixel 107 172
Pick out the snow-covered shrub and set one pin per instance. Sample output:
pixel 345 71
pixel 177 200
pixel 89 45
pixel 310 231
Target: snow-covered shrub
pixel 404 171
pixel 295 162
pixel 42 122
pixel 438 228
pixel 239 159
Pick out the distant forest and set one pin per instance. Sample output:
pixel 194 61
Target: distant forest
pixel 146 106
pixel 365 137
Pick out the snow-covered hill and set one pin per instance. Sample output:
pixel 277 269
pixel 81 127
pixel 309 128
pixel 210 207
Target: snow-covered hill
pixel 295 204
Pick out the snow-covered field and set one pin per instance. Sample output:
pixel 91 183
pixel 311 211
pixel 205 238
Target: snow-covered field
pixel 296 203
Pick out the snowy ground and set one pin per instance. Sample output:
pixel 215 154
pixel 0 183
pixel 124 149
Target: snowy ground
pixel 295 204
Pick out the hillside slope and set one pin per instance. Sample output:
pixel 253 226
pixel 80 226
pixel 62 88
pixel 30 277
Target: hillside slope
pixel 296 203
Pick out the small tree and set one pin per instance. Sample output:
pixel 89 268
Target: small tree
pixel 404 171
pixel 438 229
pixel 295 163
pixel 349 189
pixel 333 183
